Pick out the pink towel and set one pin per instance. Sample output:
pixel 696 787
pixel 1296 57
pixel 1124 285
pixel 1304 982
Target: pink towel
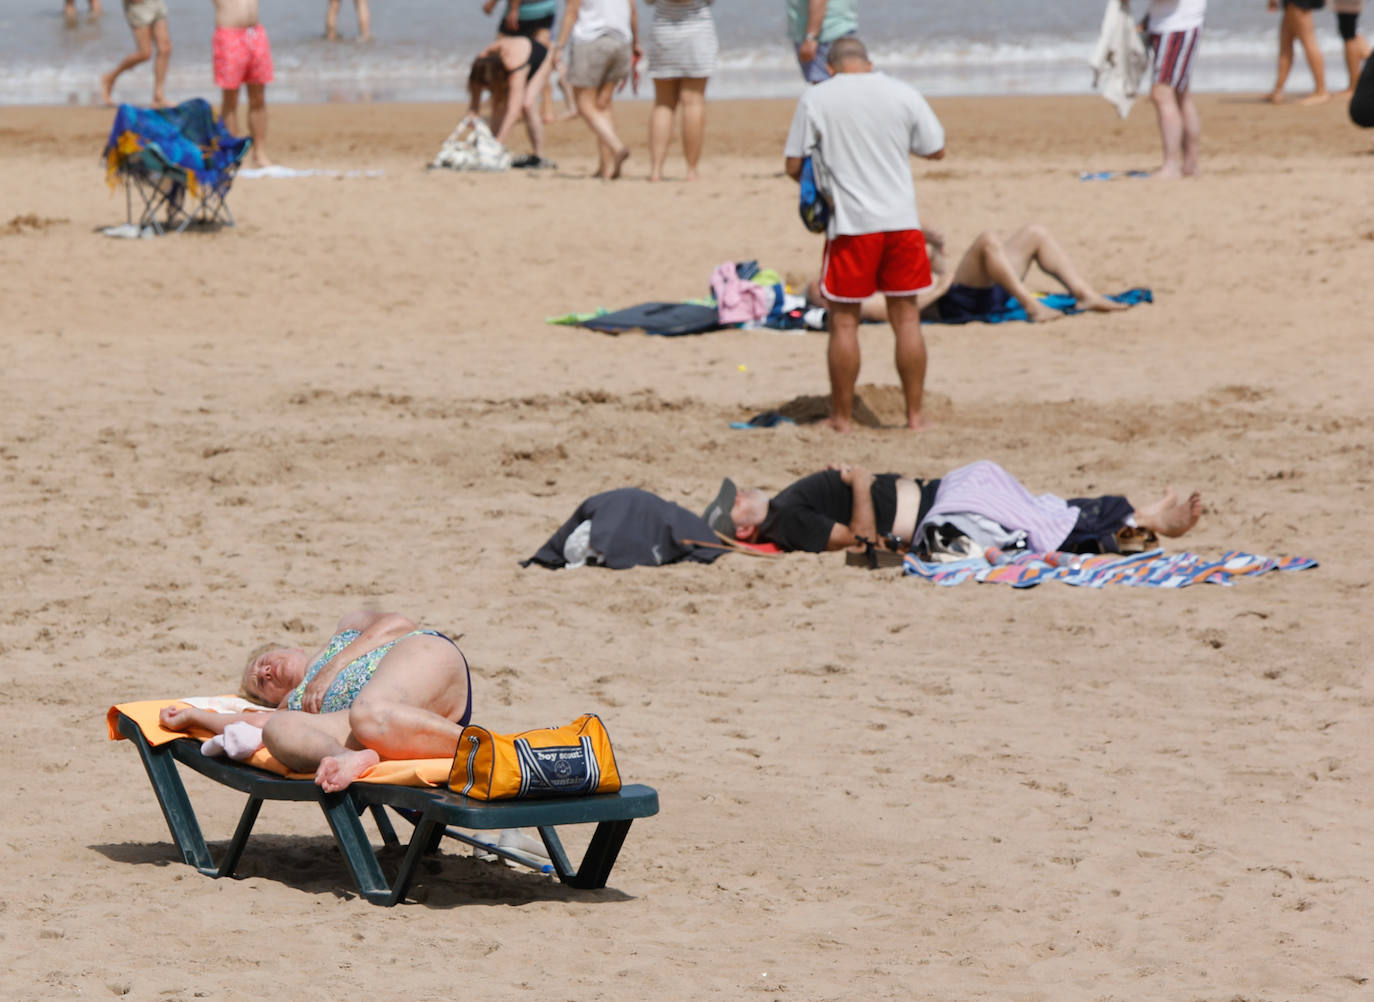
pixel 738 301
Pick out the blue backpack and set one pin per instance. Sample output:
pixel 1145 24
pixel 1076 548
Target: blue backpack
pixel 815 205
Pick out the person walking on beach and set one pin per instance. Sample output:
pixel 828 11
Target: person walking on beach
pixel 148 21
pixel 862 126
pixel 605 48
pixel 69 11
pixel 682 55
pixel 243 57
pixel 813 26
pixel 1356 47
pixel 1174 27
pixel 1296 26
pixel 331 20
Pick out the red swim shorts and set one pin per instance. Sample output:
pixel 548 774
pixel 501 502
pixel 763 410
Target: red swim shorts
pixel 242 55
pixel 893 263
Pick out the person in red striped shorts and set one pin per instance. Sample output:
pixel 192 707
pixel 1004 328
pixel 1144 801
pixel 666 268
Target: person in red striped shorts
pixel 1175 27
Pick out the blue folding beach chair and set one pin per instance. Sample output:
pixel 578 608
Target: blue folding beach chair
pixel 180 161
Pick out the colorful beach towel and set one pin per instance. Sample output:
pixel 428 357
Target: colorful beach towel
pixel 1151 569
pixel 1060 301
pixel 186 137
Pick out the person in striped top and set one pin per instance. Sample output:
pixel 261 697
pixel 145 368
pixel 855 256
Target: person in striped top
pixel 682 55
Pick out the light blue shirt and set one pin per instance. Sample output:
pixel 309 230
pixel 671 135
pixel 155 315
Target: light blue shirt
pixel 841 18
pixel 532 10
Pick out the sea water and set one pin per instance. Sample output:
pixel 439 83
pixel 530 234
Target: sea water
pixel 422 49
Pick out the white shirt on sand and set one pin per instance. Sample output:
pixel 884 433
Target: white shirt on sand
pixel 863 127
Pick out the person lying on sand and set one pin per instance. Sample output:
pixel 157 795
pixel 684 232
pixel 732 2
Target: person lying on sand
pixel 992 270
pixel 848 508
pixel 381 687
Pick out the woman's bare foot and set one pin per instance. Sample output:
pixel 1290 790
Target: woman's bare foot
pixel 1101 304
pixel 1274 97
pixel 107 89
pixel 1038 313
pixel 620 159
pixel 1316 97
pixel 1169 516
pixel 336 772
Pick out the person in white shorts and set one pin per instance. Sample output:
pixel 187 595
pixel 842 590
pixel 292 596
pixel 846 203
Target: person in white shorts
pixel 148 21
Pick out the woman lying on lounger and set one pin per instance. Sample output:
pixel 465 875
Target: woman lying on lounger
pixel 382 687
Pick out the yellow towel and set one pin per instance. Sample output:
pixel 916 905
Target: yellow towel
pixel 398 772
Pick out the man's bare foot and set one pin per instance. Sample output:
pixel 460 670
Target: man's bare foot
pixel 1101 303
pixel 336 772
pixel 107 89
pixel 916 422
pixel 841 425
pixel 1169 516
pixel 691 173
pixel 1274 97
pixel 620 159
pixel 160 101
pixel 1167 173
pixel 1316 97
pixel 1038 313
pixel 259 162
pixel 69 14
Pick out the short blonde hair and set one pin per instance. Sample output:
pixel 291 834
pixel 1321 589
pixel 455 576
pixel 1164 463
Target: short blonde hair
pixel 253 655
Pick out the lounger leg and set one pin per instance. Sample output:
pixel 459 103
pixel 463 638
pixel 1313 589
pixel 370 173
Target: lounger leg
pixel 342 814
pixel 597 861
pixel 171 797
pixel 235 851
pixel 384 826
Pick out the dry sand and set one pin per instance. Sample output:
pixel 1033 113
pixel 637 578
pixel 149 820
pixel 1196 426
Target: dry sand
pixel 871 788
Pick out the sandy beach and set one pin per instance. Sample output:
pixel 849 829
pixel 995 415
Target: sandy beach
pixel 871 787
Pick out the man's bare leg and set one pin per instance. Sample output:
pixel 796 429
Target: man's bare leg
pixel 257 124
pixel 842 358
pixel 1307 37
pixel 1286 40
pixel 331 21
pixel 1169 516
pixel 364 20
pixel 162 40
pixel 1170 117
pixel 69 12
pixel 229 110
pixel 1192 133
pixel 1356 52
pixel 143 39
pixel 905 318
pixel 989 261
pixel 1034 242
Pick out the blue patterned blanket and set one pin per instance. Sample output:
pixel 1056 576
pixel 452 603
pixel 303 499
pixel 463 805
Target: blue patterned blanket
pixel 1152 569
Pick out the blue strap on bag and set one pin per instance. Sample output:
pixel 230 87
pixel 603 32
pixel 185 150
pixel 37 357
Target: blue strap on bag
pixel 815 205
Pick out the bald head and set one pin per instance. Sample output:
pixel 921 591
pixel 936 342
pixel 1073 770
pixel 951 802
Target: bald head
pixel 848 55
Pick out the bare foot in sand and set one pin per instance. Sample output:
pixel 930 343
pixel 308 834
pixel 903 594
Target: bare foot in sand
pixel 1274 97
pixel 1101 304
pixel 1169 516
pixel 336 772
pixel 1038 313
pixel 620 159
pixel 842 426
pixel 917 422
pixel 1316 97
pixel 107 89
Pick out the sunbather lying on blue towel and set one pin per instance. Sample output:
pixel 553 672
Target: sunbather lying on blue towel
pixel 992 272
pixel 381 687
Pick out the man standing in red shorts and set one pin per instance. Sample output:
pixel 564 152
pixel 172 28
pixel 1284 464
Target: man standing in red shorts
pixel 243 56
pixel 860 127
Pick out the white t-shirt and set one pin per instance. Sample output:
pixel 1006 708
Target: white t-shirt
pixel 1176 15
pixel 602 17
pixel 863 127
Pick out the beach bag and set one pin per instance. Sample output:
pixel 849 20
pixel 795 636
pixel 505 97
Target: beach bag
pixel 815 204
pixel 471 146
pixel 575 760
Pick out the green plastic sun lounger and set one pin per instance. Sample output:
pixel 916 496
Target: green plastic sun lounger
pixel 433 812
